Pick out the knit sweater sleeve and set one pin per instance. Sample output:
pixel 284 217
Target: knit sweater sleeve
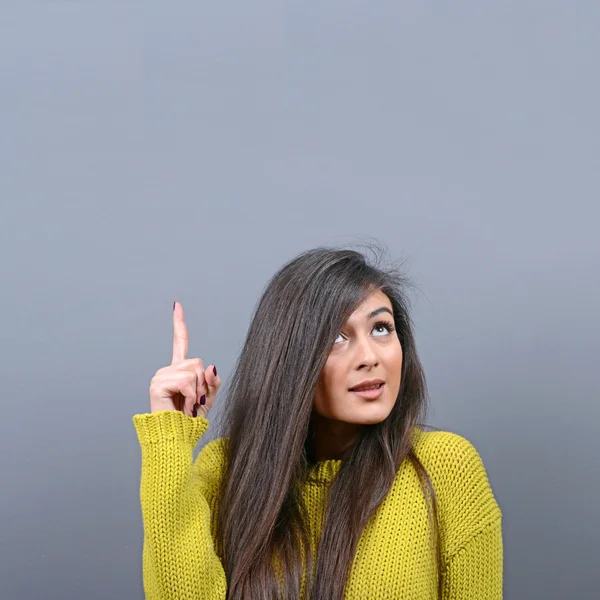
pixel 470 520
pixel 179 558
pixel 475 571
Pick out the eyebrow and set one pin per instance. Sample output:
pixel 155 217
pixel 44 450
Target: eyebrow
pixel 379 310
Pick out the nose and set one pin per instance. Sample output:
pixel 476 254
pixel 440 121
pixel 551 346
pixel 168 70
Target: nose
pixel 365 356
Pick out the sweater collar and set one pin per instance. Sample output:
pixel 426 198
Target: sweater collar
pixel 324 471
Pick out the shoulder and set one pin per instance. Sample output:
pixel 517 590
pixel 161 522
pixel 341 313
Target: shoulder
pixel 467 503
pixel 446 451
pixel 452 460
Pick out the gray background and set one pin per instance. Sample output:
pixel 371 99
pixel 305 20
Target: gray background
pixel 160 151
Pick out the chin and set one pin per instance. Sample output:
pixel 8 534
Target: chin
pixel 368 417
pixel 374 420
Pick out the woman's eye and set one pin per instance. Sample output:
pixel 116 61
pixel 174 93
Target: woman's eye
pixel 384 328
pixel 387 327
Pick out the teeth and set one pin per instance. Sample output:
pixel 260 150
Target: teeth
pixel 364 389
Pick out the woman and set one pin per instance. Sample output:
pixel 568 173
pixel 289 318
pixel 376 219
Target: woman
pixel 323 485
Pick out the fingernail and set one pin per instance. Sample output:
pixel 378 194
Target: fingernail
pixel 203 399
pixel 195 410
pixel 174 305
pixel 215 370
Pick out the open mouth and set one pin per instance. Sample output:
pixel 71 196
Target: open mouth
pixel 367 389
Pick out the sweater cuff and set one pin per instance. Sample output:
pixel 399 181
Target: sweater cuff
pixel 169 425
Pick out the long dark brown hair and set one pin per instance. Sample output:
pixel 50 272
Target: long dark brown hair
pixel 263 528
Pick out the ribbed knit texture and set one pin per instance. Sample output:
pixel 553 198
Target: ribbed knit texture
pixel 393 560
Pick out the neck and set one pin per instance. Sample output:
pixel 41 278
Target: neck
pixel 331 439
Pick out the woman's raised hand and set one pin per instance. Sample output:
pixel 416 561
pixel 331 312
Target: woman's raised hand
pixel 181 385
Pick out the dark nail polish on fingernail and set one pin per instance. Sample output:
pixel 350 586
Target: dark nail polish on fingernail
pixel 174 305
pixel 195 410
pixel 203 399
pixel 215 370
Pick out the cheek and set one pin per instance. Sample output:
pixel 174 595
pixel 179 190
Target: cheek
pixel 395 363
pixel 399 360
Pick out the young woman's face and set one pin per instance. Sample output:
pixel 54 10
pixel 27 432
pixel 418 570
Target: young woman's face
pixel 367 348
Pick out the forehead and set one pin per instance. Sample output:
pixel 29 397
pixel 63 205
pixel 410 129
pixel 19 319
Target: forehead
pixel 374 301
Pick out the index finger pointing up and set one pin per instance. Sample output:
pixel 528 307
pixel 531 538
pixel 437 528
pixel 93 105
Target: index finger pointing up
pixel 180 335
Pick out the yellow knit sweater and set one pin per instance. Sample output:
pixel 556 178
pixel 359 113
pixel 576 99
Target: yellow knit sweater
pixel 392 562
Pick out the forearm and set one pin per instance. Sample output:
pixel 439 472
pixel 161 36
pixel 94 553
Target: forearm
pixel 179 559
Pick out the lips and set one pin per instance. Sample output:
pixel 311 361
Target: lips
pixel 370 383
